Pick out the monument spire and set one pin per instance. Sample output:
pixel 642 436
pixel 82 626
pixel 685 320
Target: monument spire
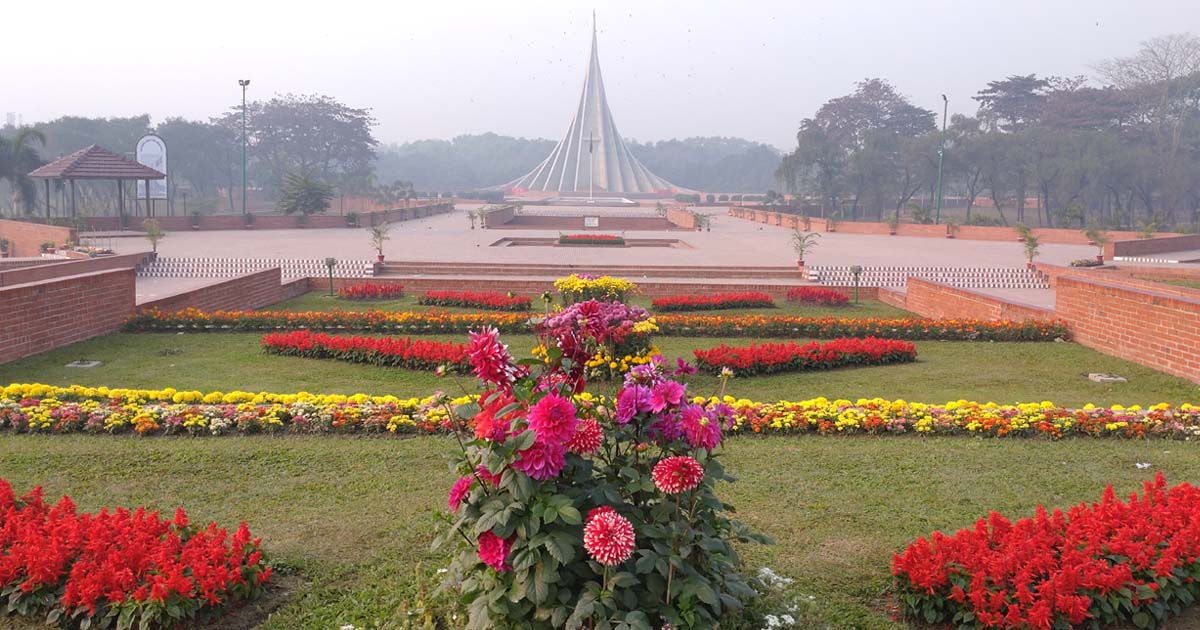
pixel 592 154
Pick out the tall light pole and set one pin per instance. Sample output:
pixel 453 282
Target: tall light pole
pixel 941 159
pixel 244 83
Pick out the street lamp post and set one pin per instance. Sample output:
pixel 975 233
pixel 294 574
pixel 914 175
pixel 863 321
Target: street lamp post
pixel 941 159
pixel 244 83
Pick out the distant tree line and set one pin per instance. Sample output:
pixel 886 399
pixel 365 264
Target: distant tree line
pixel 1126 153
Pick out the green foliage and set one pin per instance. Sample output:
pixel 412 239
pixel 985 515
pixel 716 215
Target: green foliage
pixel 304 194
pixel 154 233
pixel 1096 235
pixel 919 213
pixel 379 235
pixel 1030 243
pixel 803 242
pixel 893 220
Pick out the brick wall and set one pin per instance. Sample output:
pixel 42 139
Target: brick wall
pixel 1144 323
pixel 1148 246
pixel 61 269
pixel 251 291
pixel 930 299
pixel 25 238
pixel 41 316
pixel 965 232
pixel 499 216
pixel 8 264
pixel 681 217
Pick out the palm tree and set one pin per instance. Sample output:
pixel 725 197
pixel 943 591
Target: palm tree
pixel 17 159
pixel 304 194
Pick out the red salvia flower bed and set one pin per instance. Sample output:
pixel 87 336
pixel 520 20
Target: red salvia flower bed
pixel 1112 562
pixel 715 301
pixel 71 568
pixel 768 358
pixel 476 299
pixel 590 239
pixel 817 295
pixel 405 352
pixel 371 291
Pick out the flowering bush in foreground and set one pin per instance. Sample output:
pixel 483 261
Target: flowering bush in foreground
pixel 591 335
pixel 418 354
pixel 371 291
pixel 817 295
pixel 476 299
pixel 770 358
pixel 1109 562
pixel 655 547
pixel 122 568
pixel 788 326
pixel 37 408
pixel 716 301
pixel 583 287
pixel 672 325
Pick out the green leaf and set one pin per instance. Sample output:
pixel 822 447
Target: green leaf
pixel 570 515
pixel 467 411
pixel 1141 619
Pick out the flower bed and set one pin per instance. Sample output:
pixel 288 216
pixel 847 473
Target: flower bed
pixel 476 299
pixel 376 321
pixel 788 326
pixel 420 354
pixel 134 569
pixel 672 325
pixel 38 408
pixel 584 287
pixel 817 295
pixel 371 291
pixel 770 358
pixel 590 239
pixel 591 335
pixel 1112 562
pixel 716 301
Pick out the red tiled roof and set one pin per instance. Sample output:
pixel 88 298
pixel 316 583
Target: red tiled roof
pixel 95 162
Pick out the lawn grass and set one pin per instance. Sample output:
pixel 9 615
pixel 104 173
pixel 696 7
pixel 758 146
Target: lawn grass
pixel 944 371
pixel 316 301
pixel 355 517
pixel 1191 284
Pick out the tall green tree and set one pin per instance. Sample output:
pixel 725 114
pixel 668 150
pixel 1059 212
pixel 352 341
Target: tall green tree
pixel 304 194
pixel 17 158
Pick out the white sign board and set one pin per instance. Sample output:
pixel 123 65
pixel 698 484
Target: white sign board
pixel 591 222
pixel 152 152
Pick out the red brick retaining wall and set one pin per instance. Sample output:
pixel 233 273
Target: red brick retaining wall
pixel 681 217
pixel 930 299
pixel 64 268
pixel 44 315
pixel 1154 325
pixel 25 238
pixel 248 292
pixel 1149 246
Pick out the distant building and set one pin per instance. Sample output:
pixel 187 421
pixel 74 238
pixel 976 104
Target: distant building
pixel 591 156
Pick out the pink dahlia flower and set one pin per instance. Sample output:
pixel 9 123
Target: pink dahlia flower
pixel 493 550
pixel 677 474
pixel 541 461
pixel 666 394
pixel 490 359
pixel 608 536
pixel 461 489
pixel 483 473
pixel 699 428
pixel 553 419
pixel 587 439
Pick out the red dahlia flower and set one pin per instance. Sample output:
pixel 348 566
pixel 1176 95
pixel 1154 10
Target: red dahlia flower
pixel 677 474
pixel 608 536
pixel 587 439
pixel 493 551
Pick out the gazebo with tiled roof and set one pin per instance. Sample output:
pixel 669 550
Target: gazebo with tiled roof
pixel 92 163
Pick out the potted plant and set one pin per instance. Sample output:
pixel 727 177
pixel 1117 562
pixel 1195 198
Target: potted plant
pixel 802 242
pixel 831 221
pixel 379 234
pixel 893 222
pixel 1098 237
pixel 1031 249
pixel 48 247
pixel 154 233
pixel 249 219
pixel 951 227
pixel 195 220
pixel 807 222
pixel 3 248
pixel 352 219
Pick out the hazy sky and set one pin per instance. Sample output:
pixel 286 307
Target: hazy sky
pixel 749 68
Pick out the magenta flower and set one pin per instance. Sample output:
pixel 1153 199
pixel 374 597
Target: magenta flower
pixel 553 419
pixel 493 551
pixel 483 473
pixel 701 430
pixel 631 400
pixel 490 360
pixel 666 394
pixel 541 461
pixel 683 367
pixel 461 489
